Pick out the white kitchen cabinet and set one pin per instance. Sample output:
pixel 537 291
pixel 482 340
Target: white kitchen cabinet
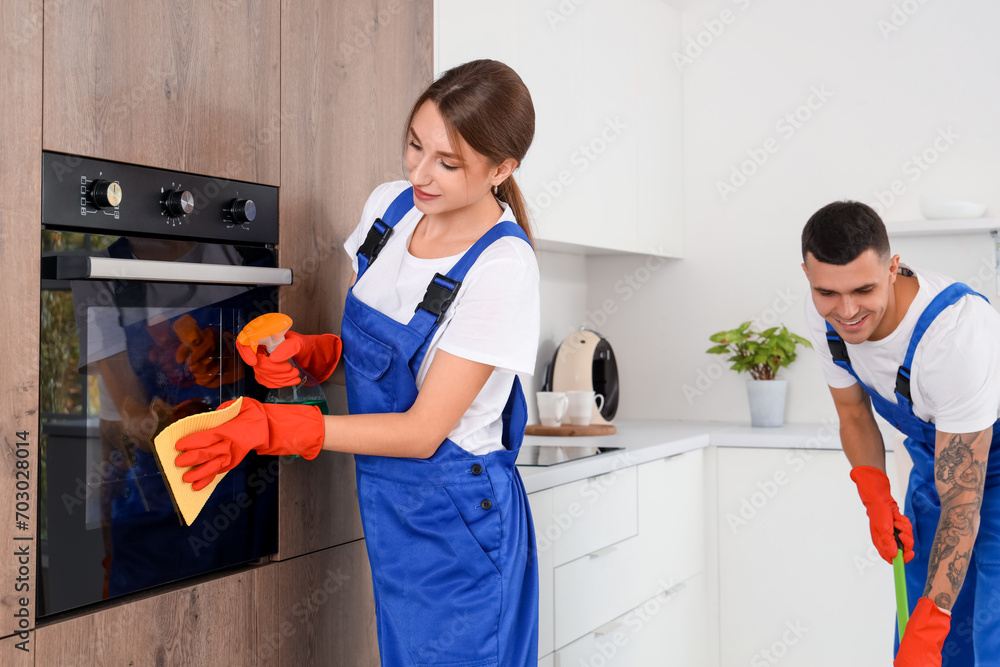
pixel 542 515
pixel 604 171
pixel 672 516
pixel 799 580
pixel 638 563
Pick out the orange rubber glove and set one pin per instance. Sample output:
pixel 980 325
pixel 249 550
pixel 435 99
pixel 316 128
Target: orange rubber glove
pixel 316 355
pixel 883 514
pixel 269 429
pixel 924 637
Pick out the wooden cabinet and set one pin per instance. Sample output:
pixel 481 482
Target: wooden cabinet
pixel 604 171
pixel 309 96
pixel 215 622
pixel 604 599
pixel 314 610
pixel 324 613
pixel 797 570
pixel 17 654
pixel 20 212
pixel 185 85
pixel 350 72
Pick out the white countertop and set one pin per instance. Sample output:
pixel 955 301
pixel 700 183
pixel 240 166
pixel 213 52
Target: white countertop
pixel 649 440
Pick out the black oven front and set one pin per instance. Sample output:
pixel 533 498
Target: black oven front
pixel 147 277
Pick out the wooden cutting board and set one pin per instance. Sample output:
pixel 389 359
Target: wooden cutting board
pixel 570 430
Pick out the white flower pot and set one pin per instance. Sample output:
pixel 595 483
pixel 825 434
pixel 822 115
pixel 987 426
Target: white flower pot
pixel 767 402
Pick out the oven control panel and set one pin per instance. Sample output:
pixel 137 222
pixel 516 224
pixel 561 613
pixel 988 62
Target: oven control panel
pixel 99 196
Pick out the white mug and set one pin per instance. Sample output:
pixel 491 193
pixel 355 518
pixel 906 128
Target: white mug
pixel 552 406
pixel 581 406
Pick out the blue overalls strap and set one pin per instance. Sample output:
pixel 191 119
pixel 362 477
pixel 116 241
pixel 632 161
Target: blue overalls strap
pixel 838 350
pixel 945 298
pixel 381 230
pixel 443 289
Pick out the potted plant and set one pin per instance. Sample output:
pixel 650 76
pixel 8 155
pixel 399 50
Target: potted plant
pixel 760 353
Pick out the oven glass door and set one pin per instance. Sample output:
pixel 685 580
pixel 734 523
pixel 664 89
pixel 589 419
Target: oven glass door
pixel 121 359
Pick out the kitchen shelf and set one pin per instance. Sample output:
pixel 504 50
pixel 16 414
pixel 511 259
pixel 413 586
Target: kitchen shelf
pixel 568 248
pixel 942 227
pixel 949 228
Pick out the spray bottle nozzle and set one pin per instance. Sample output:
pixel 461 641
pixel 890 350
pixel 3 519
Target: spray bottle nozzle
pixel 268 330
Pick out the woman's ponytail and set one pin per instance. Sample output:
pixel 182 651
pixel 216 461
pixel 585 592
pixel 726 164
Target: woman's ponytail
pixel 511 194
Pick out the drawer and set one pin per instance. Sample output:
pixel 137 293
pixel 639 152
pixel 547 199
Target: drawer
pixel 591 514
pixel 597 588
pixel 670 628
pixel 672 517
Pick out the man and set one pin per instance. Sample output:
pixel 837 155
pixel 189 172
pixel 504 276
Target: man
pixel 925 352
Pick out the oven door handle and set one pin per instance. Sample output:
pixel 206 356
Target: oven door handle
pixel 106 268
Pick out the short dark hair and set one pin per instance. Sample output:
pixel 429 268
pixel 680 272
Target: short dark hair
pixel 840 232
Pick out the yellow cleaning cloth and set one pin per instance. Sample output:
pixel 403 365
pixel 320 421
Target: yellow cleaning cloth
pixel 187 501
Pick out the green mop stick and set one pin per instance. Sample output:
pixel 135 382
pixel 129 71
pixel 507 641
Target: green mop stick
pixel 902 608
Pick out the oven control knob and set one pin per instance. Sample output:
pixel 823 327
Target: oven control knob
pixel 106 194
pixel 179 202
pixel 243 210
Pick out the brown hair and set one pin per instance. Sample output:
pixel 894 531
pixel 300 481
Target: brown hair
pixel 486 104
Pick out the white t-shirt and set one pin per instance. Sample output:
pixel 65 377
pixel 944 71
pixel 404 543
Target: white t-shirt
pixel 494 319
pixel 955 376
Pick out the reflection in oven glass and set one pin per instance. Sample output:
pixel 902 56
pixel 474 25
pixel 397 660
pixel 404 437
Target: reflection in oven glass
pixel 120 361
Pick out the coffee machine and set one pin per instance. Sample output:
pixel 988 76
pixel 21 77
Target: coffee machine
pixel 584 361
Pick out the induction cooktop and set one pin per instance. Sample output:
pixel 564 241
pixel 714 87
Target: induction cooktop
pixel 548 455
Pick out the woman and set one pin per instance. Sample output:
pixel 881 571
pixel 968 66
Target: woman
pixel 442 312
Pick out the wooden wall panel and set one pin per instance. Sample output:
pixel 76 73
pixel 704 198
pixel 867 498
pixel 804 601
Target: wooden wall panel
pixel 20 213
pixel 350 72
pixel 12 653
pixel 325 613
pixel 176 84
pixel 212 623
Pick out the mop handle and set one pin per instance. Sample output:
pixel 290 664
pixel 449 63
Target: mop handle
pixel 899 574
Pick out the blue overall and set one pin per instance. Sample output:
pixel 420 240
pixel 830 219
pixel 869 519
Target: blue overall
pixel 450 538
pixel 975 627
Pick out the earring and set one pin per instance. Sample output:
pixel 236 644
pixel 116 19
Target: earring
pixel 496 188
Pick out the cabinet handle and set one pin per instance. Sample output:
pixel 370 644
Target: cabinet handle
pixel 607 628
pixel 603 552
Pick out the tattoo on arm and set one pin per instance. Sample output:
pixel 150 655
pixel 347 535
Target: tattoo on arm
pixel 960 478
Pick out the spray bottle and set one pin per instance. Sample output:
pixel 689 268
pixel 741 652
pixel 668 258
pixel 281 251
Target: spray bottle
pixel 269 330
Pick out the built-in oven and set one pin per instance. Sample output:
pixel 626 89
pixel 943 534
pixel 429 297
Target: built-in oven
pixel 147 277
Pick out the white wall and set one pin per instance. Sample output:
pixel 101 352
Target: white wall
pixel 883 99
pixel 564 298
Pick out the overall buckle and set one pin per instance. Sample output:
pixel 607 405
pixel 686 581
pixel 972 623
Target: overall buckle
pixel 439 296
pixel 903 383
pixel 838 348
pixel 377 237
